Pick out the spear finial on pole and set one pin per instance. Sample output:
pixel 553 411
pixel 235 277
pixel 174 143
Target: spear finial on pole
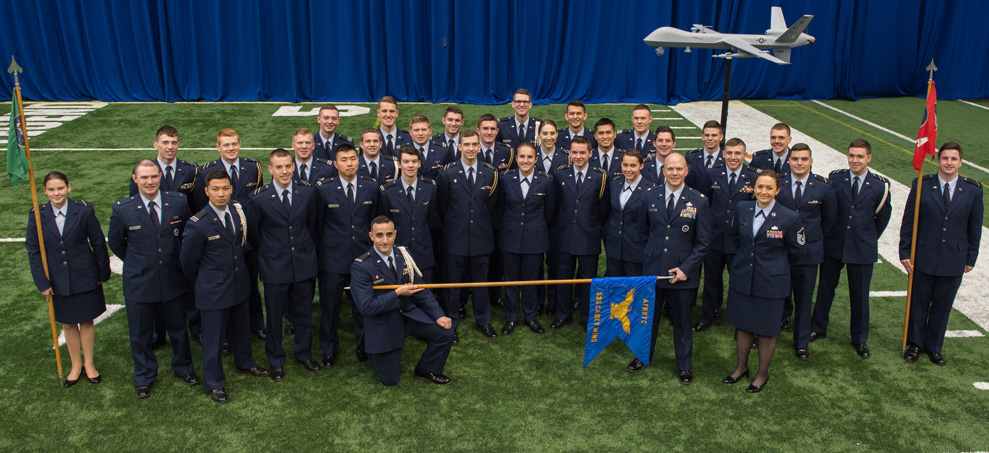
pixel 14 68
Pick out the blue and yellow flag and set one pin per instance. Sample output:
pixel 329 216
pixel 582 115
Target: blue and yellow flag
pixel 621 307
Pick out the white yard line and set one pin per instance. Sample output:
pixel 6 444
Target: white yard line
pixel 972 104
pixel 142 149
pixel 752 126
pixel 963 334
pixel 887 294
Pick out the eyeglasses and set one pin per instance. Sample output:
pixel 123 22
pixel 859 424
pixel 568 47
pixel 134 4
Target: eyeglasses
pixel 520 102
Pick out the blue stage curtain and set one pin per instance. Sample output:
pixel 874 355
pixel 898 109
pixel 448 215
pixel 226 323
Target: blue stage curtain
pixel 478 51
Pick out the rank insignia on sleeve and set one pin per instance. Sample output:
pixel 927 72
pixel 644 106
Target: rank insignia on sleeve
pixel 801 237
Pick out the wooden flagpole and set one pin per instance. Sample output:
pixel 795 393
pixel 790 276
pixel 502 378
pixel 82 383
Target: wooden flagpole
pixel 489 284
pixel 14 68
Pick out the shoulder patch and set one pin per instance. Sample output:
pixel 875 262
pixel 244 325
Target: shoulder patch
pixel 360 259
pixel 387 184
pixel 325 161
pixel 303 182
pixel 822 179
pixel 199 215
pixel 84 203
pixel 325 180
pixel 760 152
pixel 428 181
pixel 972 182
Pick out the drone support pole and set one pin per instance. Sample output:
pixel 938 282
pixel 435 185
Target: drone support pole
pixel 724 102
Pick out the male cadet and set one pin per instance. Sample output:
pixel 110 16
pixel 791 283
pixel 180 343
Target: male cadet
pixel 710 154
pixel 607 156
pixel 393 315
pixel 212 257
pixel 639 137
pixel 679 224
pixel 327 141
pixel 433 155
pixel 779 159
pixel 494 153
pixel 728 184
pixel 576 115
pixel 373 164
pixel 520 127
pixel 453 120
pixel 467 197
pixel 663 143
pixel 410 202
pixel 393 136
pixel 283 225
pixel 140 225
pixel 349 203
pixel 625 237
pixel 179 177
pixel 950 210
pixel 245 178
pixel 582 208
pixel 863 213
pixel 308 167
pixel 812 198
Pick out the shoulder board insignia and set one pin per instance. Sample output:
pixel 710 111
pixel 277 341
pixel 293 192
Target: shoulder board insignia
pixel 439 144
pixel 565 151
pixel 760 152
pixel 343 137
pixel 487 165
pixel 648 184
pixel 625 131
pixel 538 120
pixel 30 210
pixel 360 259
pixel 506 172
pixel 209 164
pixel 303 182
pixel 649 158
pixel 836 172
pixel 822 179
pixel 562 167
pixel 428 181
pixel 250 159
pixel 881 178
pixel 369 179
pixel 261 189
pixel 387 184
pixel 507 118
pixel 617 177
pixel 752 168
pixel 436 137
pixel 391 158
pixel 325 180
pixel 693 151
pixel 199 215
pixel 188 162
pixel 325 161
pixel 718 165
pixel 543 173
pixel 972 182
pixel 449 165
pixel 598 169
pixel 84 203
pixel 929 176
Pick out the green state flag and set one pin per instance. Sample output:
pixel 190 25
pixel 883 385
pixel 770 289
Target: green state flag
pixel 17 163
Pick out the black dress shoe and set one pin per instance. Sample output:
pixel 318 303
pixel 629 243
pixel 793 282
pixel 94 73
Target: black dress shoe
pixel 225 348
pixel 189 379
pixel 686 377
pixel 438 379
pixel 259 334
pixel 219 396
pixel 786 324
pixel 329 360
pixel 862 350
pixel 256 371
pixel 757 388
pixel 143 391
pixel 717 313
pixel 814 336
pixel 802 353
pixel 558 324
pixel 535 327
pixel 911 354
pixel 508 328
pixel 731 380
pixel 551 313
pixel 754 346
pixel 487 331
pixel 95 380
pixel 361 355
pixel 289 328
pixel 69 382
pixel 277 373
pixel 700 326
pixel 635 366
pixel 938 359
pixel 310 365
pixel 499 302
pixel 461 312
pixel 456 338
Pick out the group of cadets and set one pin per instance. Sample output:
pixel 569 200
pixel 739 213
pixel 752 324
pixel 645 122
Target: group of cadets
pixel 492 204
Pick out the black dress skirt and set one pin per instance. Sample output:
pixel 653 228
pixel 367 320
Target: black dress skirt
pixel 758 315
pixel 79 308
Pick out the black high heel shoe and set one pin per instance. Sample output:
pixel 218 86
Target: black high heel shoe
pixel 95 380
pixel 69 382
pixel 731 380
pixel 757 388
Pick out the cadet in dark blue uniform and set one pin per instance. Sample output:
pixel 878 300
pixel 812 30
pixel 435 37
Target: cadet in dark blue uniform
pixel 712 133
pixel 284 221
pixel 549 157
pixel 639 138
pixel 770 235
pixel 606 156
pixel 582 209
pixel 308 167
pixel 664 142
pixel 812 198
pixel 863 213
pixel 525 207
pixel 467 202
pixel 513 130
pixel 950 221
pixel 433 155
pixel 373 164
pixel 327 141
pixel 145 233
pixel 678 221
pixel 393 136
pixel 625 236
pixel 453 120
pixel 776 158
pixel 411 203
pixel 728 184
pixel 212 257
pixel 245 178
pixel 501 157
pixel 78 264
pixel 393 315
pixel 349 203
pixel 576 115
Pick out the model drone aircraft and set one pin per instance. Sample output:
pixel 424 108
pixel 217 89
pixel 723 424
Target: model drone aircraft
pixel 780 39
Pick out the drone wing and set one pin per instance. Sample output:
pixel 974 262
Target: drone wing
pixel 745 47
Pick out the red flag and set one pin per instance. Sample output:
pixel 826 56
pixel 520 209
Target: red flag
pixel 927 136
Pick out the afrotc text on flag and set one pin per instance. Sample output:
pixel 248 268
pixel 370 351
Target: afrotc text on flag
pixel 621 307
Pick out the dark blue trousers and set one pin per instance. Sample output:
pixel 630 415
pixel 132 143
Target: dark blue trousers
pixel 141 323
pixel 388 365
pixel 803 277
pixel 680 301
pixel 294 299
pixel 586 266
pixel 715 265
pixel 215 329
pixel 521 267
pixel 930 304
pixel 330 299
pixel 619 268
pixel 859 280
pixel 471 269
